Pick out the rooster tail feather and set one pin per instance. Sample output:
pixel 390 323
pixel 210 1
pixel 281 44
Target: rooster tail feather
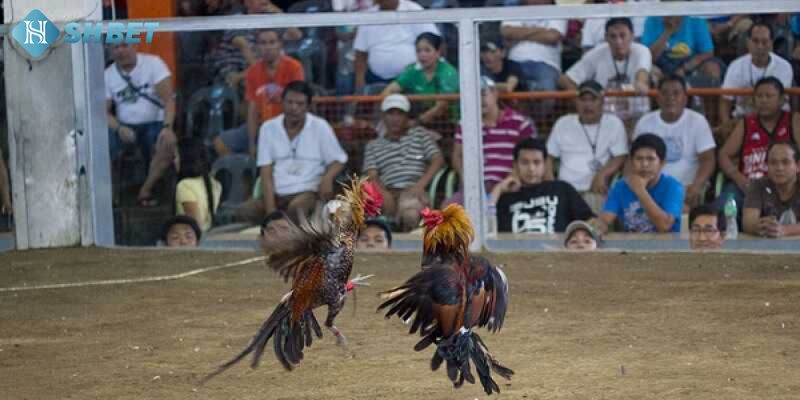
pixel 289 339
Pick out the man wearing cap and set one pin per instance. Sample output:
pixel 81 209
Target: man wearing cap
pixel 590 145
pixel 620 64
pixel 402 162
pixel 503 128
pixel 506 74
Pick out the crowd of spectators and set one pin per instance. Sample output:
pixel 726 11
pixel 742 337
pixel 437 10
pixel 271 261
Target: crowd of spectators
pixel 615 163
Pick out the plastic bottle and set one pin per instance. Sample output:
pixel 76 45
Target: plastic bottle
pixel 491 220
pixel 730 211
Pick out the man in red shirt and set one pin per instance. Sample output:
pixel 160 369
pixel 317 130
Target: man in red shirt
pixel 264 83
pixel 753 135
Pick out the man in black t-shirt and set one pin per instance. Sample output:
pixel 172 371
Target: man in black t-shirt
pixel 528 204
pixel 506 74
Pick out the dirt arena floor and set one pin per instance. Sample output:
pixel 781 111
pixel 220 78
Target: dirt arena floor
pixel 600 326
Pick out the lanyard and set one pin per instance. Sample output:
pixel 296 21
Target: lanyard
pixel 619 75
pixel 593 145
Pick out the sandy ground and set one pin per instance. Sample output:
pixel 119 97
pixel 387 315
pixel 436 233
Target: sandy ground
pixel 601 326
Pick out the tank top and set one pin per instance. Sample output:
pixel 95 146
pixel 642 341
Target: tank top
pixel 756 142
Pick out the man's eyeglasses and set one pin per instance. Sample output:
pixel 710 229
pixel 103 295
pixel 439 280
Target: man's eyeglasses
pixel 707 230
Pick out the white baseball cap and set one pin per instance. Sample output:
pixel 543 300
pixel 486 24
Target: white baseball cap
pixel 396 101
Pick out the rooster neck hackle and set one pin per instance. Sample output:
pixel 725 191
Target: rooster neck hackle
pixel 451 236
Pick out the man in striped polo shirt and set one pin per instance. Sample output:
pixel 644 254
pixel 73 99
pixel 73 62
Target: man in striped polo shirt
pixel 402 162
pixel 503 128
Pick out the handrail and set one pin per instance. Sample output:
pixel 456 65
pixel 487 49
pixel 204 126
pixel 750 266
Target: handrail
pixel 562 94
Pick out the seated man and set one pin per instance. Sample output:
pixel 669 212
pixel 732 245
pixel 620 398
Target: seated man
pixel 772 203
pixel 5 188
pixel 681 46
pixel 581 236
pixel 375 237
pixel 690 144
pixel 139 87
pixel 506 74
pixel 402 162
pixel 526 203
pixel 181 231
pixel 617 64
pixel 706 228
pixel 503 128
pixel 591 146
pixel 752 136
pixel 647 200
pixel 744 72
pixel 298 155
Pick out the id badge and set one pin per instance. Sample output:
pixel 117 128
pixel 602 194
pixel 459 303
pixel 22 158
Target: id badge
pixel 295 169
pixel 594 165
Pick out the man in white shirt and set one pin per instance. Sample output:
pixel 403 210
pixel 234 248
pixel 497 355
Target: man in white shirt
pixel 536 46
pixel 299 156
pixel 383 51
pixel 590 145
pixel 690 145
pixel 620 64
pixel 593 30
pixel 139 86
pixel 745 71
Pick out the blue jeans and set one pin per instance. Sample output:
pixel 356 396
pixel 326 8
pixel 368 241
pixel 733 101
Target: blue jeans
pixel 146 137
pixel 540 76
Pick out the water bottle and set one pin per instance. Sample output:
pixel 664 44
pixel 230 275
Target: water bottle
pixel 491 220
pixel 730 211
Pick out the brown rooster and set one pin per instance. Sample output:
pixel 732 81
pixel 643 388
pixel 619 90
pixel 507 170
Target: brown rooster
pixel 318 258
pixel 453 293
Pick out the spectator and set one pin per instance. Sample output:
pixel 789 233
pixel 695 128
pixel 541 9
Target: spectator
pixel 238 49
pixel 139 87
pixel 181 231
pixel 502 130
pixel 745 71
pixel 402 162
pixel 505 73
pixel 772 203
pixel 198 193
pixel 526 203
pixel 383 51
pixel 617 64
pixel 298 156
pixel 5 188
pixel 591 146
pixel 690 144
pixel 593 31
pixel 752 136
pixel 375 237
pixel 681 46
pixel 264 84
pixel 431 74
pixel 537 48
pixel 647 200
pixel 706 228
pixel 580 235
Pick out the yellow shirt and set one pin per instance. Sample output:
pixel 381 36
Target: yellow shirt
pixel 194 190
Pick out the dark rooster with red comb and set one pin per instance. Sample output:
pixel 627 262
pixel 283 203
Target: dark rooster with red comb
pixel 454 293
pixel 318 258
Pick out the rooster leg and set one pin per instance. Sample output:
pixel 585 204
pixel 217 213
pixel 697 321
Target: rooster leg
pixel 333 311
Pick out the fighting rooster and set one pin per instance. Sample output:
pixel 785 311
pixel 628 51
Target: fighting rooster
pixel 454 293
pixel 318 258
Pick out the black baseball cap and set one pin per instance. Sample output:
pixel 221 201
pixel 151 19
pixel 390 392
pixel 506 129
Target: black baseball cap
pixel 591 86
